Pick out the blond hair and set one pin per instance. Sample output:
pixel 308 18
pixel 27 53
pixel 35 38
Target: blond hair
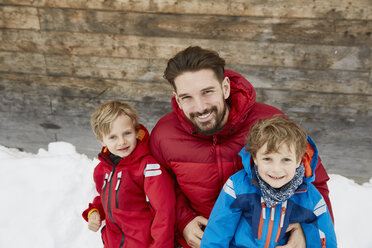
pixel 274 132
pixel 102 118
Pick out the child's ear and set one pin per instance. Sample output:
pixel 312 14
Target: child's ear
pixel 254 160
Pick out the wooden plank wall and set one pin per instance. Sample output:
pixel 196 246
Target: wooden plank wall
pixel 59 59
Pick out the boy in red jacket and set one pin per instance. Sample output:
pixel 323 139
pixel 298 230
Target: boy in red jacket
pixel 136 196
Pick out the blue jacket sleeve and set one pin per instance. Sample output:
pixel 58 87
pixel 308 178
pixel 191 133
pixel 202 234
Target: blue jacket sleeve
pixel 319 233
pixel 223 220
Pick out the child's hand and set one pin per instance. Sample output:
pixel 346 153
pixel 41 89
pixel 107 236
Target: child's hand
pixel 94 221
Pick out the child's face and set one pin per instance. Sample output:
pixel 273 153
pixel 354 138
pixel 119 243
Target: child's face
pixel 277 168
pixel 122 138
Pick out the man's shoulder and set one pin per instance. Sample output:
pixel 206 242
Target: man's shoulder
pixel 167 122
pixel 257 112
pixel 264 110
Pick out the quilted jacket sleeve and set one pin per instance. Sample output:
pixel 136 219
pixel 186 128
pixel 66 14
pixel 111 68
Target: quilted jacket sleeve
pixel 184 213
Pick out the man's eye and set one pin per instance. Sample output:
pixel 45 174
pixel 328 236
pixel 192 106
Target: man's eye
pixel 185 98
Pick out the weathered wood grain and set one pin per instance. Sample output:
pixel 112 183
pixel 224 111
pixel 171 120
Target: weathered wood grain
pixel 19 17
pixel 343 143
pixel 106 67
pixel 286 30
pixel 326 81
pixel 314 102
pixel 333 9
pixel 22 62
pixel 109 45
pixel 235 52
pixel 83 87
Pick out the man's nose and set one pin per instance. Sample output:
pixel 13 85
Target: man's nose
pixel 199 105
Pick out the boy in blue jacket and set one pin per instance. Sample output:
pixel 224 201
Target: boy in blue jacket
pixel 274 190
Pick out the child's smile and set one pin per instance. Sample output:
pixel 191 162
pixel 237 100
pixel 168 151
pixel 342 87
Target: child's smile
pixel 276 168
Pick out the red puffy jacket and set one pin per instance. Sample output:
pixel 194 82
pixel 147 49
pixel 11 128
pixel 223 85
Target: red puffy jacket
pixel 136 198
pixel 202 164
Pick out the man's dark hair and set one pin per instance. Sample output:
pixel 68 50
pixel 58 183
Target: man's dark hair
pixel 194 58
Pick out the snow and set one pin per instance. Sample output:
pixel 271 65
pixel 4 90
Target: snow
pixel 44 194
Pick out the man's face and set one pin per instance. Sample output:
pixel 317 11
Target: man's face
pixel 202 99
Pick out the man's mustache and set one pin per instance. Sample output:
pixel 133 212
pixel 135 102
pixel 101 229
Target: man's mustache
pixel 196 114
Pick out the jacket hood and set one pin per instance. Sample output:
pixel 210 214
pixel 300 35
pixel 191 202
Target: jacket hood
pixel 309 161
pixel 141 150
pixel 242 98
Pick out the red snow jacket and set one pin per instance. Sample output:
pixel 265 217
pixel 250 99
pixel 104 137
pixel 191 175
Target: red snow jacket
pixel 136 198
pixel 202 164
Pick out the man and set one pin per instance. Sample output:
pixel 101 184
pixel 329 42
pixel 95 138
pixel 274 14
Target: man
pixel 199 142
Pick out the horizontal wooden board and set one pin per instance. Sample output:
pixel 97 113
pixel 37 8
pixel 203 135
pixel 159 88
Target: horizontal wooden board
pixel 333 9
pixel 19 17
pixel 22 62
pixel 235 52
pixel 317 103
pixel 307 31
pixel 82 87
pixel 106 67
pixel 327 81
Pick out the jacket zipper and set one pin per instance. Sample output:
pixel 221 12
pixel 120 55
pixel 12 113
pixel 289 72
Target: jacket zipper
pixel 271 222
pixel 219 162
pixel 117 189
pixel 109 200
pixel 270 230
pixel 262 218
pixel 104 190
pixel 281 220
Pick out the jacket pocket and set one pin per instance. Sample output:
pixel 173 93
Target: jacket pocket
pixel 136 227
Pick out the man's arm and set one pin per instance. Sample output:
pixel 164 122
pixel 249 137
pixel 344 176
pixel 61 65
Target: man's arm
pixel 321 179
pixel 184 213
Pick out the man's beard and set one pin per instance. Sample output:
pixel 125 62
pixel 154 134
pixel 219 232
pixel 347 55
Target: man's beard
pixel 202 127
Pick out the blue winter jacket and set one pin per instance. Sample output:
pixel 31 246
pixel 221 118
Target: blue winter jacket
pixel 240 218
